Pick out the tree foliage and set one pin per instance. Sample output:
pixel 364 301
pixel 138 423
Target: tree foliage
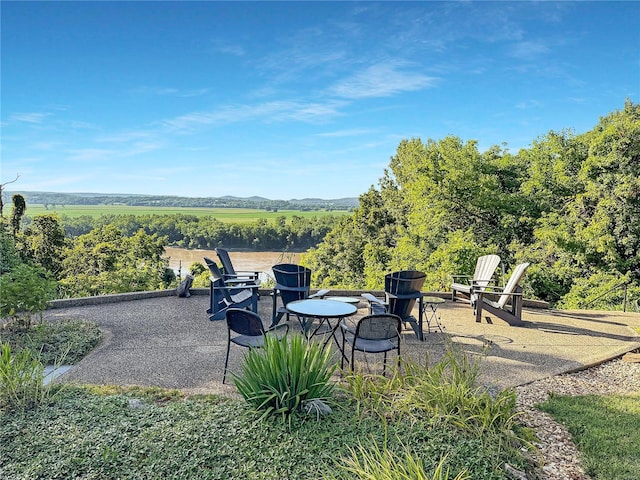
pixel 569 204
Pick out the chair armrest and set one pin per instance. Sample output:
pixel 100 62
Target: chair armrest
pixel 231 287
pixel 320 293
pixel 457 278
pixel 347 328
pixel 404 296
pixel 290 289
pixel 373 299
pixel 497 290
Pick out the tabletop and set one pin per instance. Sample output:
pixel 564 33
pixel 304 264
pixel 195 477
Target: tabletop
pixel 322 308
pixel 433 300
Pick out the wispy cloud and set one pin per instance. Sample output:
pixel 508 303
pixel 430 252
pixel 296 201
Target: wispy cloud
pixel 33 117
pixel 527 104
pixel 382 80
pixel 90 154
pixel 237 50
pixel 169 91
pixel 351 132
pixel 312 112
pixel 528 50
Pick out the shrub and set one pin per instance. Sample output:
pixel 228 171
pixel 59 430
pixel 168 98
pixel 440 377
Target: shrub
pixel 24 291
pixel 285 375
pixel 21 379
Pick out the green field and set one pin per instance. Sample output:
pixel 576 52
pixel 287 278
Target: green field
pixel 230 215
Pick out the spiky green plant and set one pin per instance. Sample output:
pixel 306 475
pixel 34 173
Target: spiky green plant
pixel 285 374
pixel 21 379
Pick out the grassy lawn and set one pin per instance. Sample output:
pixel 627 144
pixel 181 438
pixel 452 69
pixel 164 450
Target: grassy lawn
pixel 88 433
pixel 231 215
pixel 606 430
pixel 420 420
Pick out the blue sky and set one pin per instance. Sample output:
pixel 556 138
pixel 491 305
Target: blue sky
pixel 292 100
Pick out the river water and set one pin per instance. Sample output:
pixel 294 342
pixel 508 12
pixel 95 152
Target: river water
pixel 181 258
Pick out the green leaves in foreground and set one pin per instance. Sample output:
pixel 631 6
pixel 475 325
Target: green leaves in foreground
pixel 21 380
pixel 280 377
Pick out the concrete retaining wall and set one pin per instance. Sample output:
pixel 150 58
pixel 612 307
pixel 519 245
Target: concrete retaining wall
pixel 124 297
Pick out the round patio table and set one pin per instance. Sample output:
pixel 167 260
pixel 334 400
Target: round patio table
pixel 324 311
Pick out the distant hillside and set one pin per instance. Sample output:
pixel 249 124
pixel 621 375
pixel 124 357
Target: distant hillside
pixel 54 198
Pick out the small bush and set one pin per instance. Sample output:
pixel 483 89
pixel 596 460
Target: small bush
pixel 285 374
pixel 24 291
pixel 21 380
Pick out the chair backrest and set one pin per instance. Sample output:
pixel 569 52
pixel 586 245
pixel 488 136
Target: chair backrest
pixel 296 277
pixel 513 283
pixel 485 268
pixel 379 327
pixel 217 276
pixel 225 260
pixel 244 322
pixel 405 282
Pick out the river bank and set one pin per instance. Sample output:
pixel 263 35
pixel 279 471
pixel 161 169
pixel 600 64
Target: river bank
pixel 181 258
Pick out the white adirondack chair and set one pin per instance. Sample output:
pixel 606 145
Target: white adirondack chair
pixel 512 291
pixel 485 267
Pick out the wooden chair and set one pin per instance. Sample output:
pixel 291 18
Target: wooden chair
pixel 511 292
pixel 485 267
pixel 223 296
pixel 231 276
pixel 402 289
pixel 293 282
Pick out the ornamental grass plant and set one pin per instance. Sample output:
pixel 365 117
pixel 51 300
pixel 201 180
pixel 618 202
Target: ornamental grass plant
pixel 445 392
pixel 285 375
pixel 22 384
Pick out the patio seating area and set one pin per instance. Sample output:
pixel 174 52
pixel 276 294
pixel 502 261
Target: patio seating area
pixel 169 341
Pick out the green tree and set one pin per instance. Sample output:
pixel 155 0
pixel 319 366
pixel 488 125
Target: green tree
pixel 17 212
pixel 43 242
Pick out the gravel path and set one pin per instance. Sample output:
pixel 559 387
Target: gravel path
pixel 561 459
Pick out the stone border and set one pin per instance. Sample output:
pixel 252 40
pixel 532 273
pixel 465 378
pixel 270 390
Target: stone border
pixel 124 297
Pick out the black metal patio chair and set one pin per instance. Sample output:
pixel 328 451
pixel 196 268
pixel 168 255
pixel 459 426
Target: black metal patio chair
pixel 249 330
pixel 372 334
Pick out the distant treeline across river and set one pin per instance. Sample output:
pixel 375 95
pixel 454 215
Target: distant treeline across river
pixel 283 233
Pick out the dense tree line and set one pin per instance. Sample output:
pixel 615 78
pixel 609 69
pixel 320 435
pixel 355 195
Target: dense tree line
pixel 104 260
pixel 569 204
pixel 307 204
pixel 190 231
pixel 122 253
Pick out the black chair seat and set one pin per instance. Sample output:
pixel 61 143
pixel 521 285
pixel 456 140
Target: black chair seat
pixel 371 346
pixel 248 341
pixel 372 334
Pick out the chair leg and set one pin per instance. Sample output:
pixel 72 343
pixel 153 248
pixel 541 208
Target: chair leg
pixel 226 362
pixel 384 364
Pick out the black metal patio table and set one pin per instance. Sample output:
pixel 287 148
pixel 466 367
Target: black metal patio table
pixel 324 311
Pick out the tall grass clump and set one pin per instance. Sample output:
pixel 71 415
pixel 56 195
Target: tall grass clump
pixel 22 383
pixel 446 392
pixel 285 375
pixel 373 463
